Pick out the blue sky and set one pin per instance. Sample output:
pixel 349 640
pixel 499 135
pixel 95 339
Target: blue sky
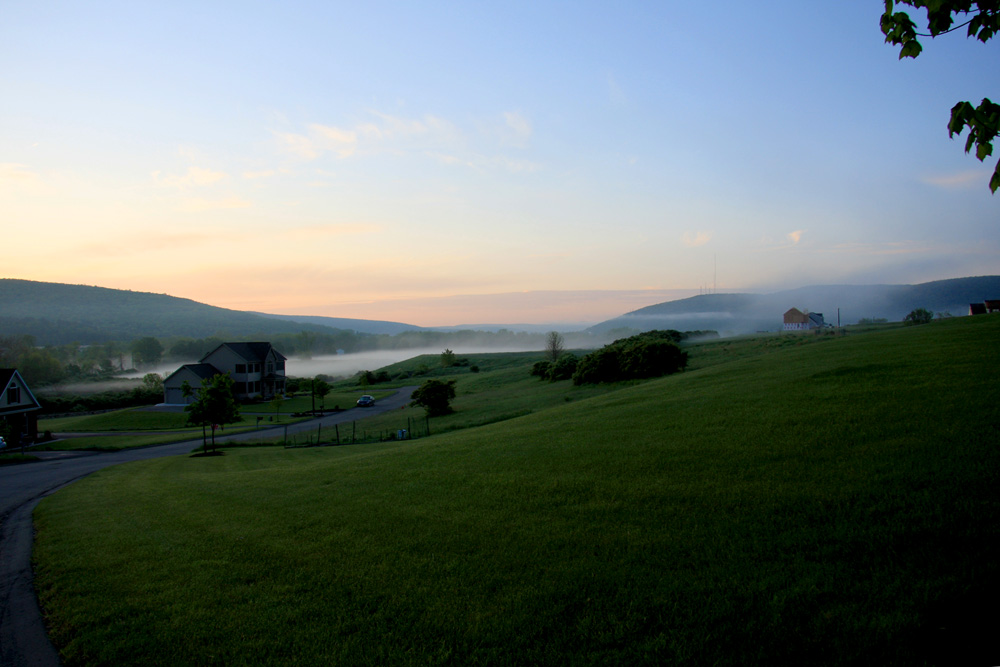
pixel 387 160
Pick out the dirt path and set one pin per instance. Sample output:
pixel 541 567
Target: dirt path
pixel 23 640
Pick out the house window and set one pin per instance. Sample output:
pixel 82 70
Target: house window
pixel 241 387
pixel 13 395
pixel 241 368
pixel 270 367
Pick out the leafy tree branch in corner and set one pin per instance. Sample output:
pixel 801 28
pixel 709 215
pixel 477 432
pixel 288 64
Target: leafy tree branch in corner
pixel 983 22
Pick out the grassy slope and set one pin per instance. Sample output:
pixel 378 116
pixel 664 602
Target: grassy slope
pixel 829 503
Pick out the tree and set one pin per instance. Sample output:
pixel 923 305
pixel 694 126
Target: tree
pixel 215 404
pixel 276 402
pixel 553 345
pixel 147 351
pixel 39 366
pixel 983 21
pixel 434 396
pixel 447 359
pixel 918 316
pixel 153 383
pixel 321 388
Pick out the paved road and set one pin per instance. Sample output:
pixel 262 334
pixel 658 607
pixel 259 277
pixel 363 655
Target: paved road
pixel 23 641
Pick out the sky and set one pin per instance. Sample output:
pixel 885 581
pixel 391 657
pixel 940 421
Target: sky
pixel 444 163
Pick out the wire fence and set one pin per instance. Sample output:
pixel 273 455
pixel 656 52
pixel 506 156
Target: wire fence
pixel 349 433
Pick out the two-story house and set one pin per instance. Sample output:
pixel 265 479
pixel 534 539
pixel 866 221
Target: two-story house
pixel 18 406
pixel 257 369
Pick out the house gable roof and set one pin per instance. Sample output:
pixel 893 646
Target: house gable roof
pixel 255 352
pixel 7 378
pixel 203 371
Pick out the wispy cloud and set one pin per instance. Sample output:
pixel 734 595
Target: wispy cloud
pixel 518 129
pixel 695 239
pixel 960 180
pixel 891 248
pixel 769 243
pixel 333 229
pixel 615 92
pixel 10 171
pixel 445 159
pixel 194 177
pixel 297 144
pixel 255 175
pixel 198 204
pixel 341 142
pixel 154 240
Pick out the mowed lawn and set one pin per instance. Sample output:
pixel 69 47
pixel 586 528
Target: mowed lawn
pixel 821 504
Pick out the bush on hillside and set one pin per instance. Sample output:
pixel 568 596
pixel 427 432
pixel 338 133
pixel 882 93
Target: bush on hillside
pixel 918 316
pixel 646 355
pixel 541 369
pixel 434 396
pixel 563 368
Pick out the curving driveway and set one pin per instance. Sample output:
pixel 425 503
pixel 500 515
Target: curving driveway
pixel 23 641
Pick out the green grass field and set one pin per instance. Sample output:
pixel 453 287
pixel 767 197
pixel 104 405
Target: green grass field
pixel 829 503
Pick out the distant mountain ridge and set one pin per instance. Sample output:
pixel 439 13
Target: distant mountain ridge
pixel 731 314
pixel 362 326
pixel 56 313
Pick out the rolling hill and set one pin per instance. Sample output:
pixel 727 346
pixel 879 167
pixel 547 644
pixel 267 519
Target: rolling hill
pixel 731 314
pixel 56 314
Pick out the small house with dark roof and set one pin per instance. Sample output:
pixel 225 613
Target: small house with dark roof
pixel 992 305
pixel 257 369
pixel 18 407
pixel 977 309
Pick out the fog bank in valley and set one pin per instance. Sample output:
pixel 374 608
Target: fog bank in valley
pixel 346 365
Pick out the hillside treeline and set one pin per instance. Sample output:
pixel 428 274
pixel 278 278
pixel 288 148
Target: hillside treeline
pixel 44 365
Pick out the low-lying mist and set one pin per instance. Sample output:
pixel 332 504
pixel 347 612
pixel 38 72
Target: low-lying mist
pixel 346 365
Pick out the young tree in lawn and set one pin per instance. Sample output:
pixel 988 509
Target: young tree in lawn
pixel 321 388
pixel 434 396
pixel 447 359
pixel 215 404
pixel 276 406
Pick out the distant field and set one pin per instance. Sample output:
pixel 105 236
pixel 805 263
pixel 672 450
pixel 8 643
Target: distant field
pixel 824 502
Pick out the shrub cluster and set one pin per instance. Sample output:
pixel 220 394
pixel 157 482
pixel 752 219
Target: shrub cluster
pixel 435 397
pixel 646 355
pixel 561 369
pixel 106 400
